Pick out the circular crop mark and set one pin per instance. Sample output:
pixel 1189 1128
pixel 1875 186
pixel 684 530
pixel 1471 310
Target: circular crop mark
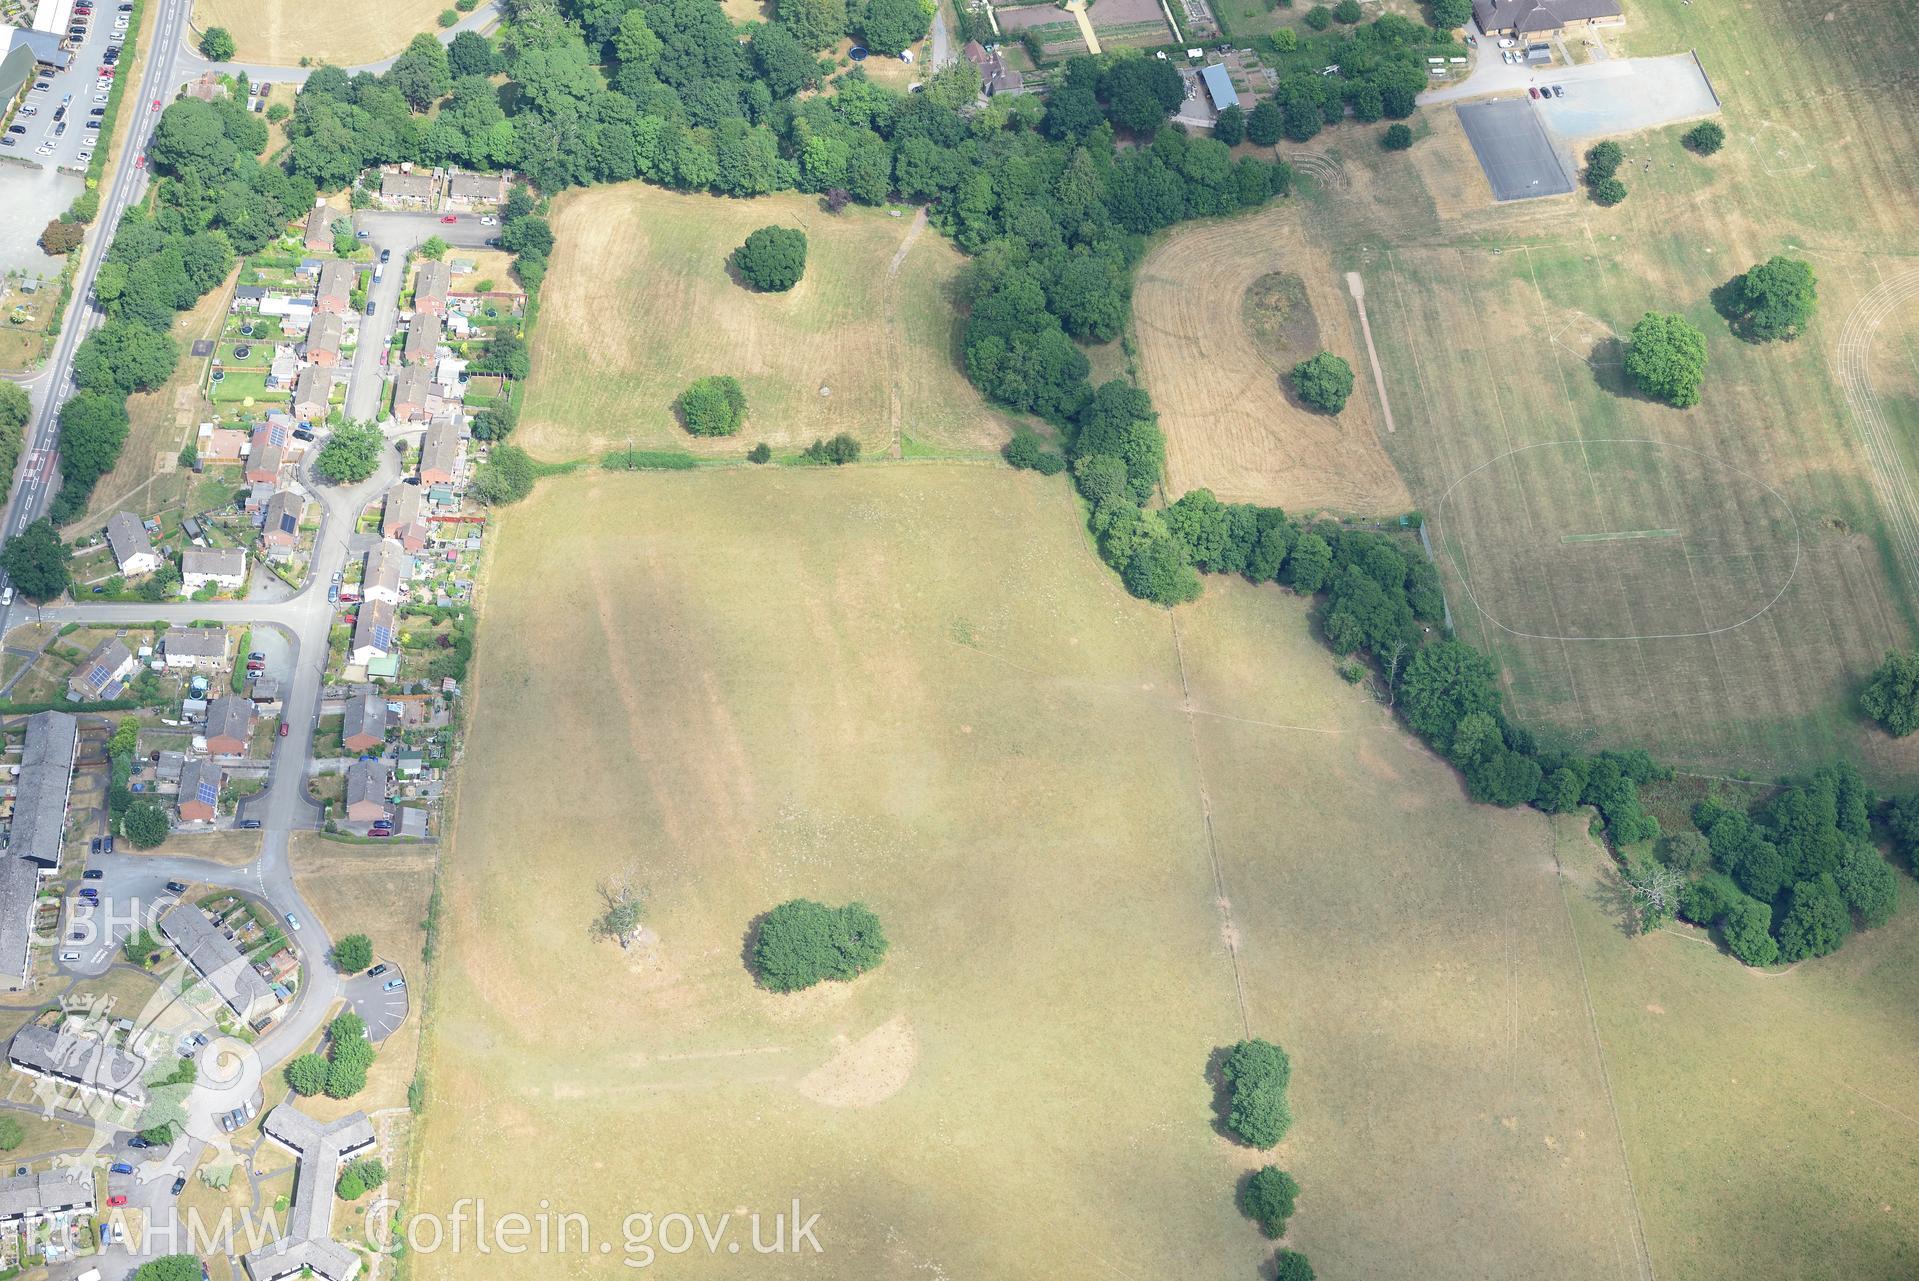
pixel 1617 539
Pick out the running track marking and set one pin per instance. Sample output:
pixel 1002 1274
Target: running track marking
pixel 1357 287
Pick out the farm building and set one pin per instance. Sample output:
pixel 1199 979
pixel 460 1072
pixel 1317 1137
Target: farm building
pixel 1219 87
pixel 1537 17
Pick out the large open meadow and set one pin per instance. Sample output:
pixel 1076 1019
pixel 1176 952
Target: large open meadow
pixel 282 32
pixel 1105 840
pixel 641 301
pixel 1712 584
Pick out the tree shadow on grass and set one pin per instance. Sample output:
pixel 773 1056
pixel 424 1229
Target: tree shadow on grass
pixel 1615 898
pixel 1726 299
pixel 749 944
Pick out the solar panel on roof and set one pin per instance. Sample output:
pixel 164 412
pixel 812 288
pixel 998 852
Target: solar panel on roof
pixel 208 793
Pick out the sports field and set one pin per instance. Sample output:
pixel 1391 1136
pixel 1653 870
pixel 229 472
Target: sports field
pixel 640 302
pixel 1714 584
pixel 281 32
pixel 916 686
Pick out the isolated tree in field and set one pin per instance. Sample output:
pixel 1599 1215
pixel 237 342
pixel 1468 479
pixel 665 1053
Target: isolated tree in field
pixel 351 454
pixel 1256 1074
pixel 1603 160
pixel 353 953
pixel 306 1074
pixel 802 942
pixel 1606 192
pixel 217 45
pixel 712 406
pixel 1450 15
pixel 1267 1199
pixel 1705 137
pixel 1666 358
pixel 623 902
pixel 1291 1265
pixel 145 825
pixel 772 259
pixel 1396 138
pixel 760 453
pixel 38 562
pixel 1774 300
pixel 1265 123
pixel 1891 697
pixel 891 25
pixel 1324 382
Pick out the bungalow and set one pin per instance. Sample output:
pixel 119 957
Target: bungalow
pixel 440 452
pixel 319 229
pixel 407 187
pixel 403 521
pixel 385 571
pixel 223 567
pixel 367 784
pixel 410 392
pixel 429 288
pixel 472 190
pixel 337 280
pixel 102 675
pixel 323 338
pixel 199 791
pixel 422 339
pixel 266 452
pixel 195 648
pixel 373 632
pixel 364 728
pixel 132 549
pixel 280 532
pixel 1519 18
pixel 312 394
pixel 247 297
pixel 229 726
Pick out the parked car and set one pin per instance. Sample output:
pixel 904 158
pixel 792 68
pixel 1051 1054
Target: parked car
pixel 106 845
pixel 393 985
pixel 249 824
pixel 68 957
pixel 137 1142
pixel 386 255
pixel 1559 91
pixel 117 1200
pixel 1533 90
pixel 121 1167
pixel 284 729
pixel 94 846
pixel 89 892
pixel 369 306
pixel 17 129
pixel 448 218
pixel 362 235
pixel 380 834
pixel 179 1184
pixel 293 920
pixel 93 873
pixel 333 595
pixel 8 140
pixel 96 111
pixel 377 970
pixel 176 887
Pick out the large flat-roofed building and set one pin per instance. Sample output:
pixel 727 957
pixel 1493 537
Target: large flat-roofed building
pixel 323 1150
pixel 218 961
pixel 84 1062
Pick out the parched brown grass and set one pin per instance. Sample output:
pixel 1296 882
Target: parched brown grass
pixel 1231 422
pixel 281 32
pixel 640 302
pixel 916 686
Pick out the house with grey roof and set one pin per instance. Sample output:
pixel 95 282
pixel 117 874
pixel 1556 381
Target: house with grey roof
pixel 19 892
pixel 324 336
pixel 374 635
pixel 26 1199
pixel 430 287
pixel 1219 86
pixel 407 187
pixel 280 529
pixel 85 1062
pixel 402 520
pixel 194 648
pixel 367 785
pixel 364 727
pixel 312 394
pixel 199 800
pixel 229 725
pixel 422 339
pixel 473 190
pixel 224 567
pixel 132 549
pixel 217 959
pixel 43 787
pixel 102 675
pixel 1542 17
pixel 440 452
pixel 323 1149
pixel 387 569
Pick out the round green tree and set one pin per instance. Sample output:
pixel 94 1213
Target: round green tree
pixel 889 26
pixel 145 825
pixel 773 259
pixel 217 44
pixel 1396 138
pixel 1449 15
pixel 353 953
pixel 1324 382
pixel 1705 137
pixel 802 942
pixel 1265 123
pixel 38 561
pixel 1607 191
pixel 1891 697
pixel 1291 1265
pixel 1348 11
pixel 1267 1199
pixel 1774 300
pixel 713 406
pixel 1256 1074
pixel 306 1074
pixel 1666 358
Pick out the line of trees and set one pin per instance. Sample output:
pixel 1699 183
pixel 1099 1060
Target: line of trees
pixel 1255 1075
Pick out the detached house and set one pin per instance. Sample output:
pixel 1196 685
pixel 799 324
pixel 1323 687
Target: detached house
pixel 224 567
pixel 199 791
pixel 364 728
pixel 229 725
pixel 280 531
pixel 403 521
pixel 132 549
pixel 430 287
pixel 336 286
pixel 367 783
pixel 102 675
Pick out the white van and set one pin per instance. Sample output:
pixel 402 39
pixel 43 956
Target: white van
pixel 379 270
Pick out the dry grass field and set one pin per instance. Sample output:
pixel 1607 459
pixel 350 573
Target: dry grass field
pixel 1232 423
pixel 281 32
pixel 916 686
pixel 640 302
pixel 1712 584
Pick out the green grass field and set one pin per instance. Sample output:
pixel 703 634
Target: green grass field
pixel 916 686
pixel 1737 642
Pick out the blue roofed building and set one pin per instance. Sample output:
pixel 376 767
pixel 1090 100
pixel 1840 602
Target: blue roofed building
pixel 1219 87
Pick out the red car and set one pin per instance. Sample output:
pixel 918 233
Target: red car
pixel 379 833
pixel 116 1200
pixel 156 104
pixel 449 218
pixel 1534 92
pixel 140 161
pixel 284 729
